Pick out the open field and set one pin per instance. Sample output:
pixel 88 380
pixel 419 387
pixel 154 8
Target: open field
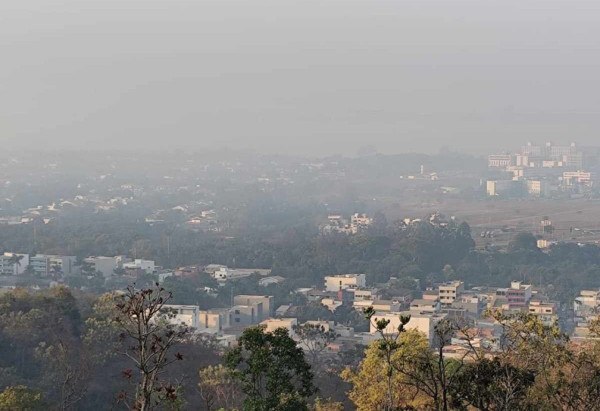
pixel 573 220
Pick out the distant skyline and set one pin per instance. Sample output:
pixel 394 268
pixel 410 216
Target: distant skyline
pixel 299 76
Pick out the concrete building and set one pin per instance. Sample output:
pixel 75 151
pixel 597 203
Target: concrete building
pixel 538 188
pixel 424 323
pixel 364 294
pixel 519 294
pixel 546 311
pixel 181 314
pixel 378 305
pixel 500 160
pixel 264 304
pixel 345 281
pixel 244 315
pixel 48 265
pixel 571 178
pixel 104 265
pixel 425 306
pixel 138 264
pixel 448 292
pixel 13 263
pixel 272 324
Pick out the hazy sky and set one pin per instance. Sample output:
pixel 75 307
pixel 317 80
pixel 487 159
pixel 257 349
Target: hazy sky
pixel 299 76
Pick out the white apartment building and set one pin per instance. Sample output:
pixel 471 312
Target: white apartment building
pixel 104 265
pixel 500 160
pixel 345 281
pixel 13 263
pixel 45 265
pixel 570 178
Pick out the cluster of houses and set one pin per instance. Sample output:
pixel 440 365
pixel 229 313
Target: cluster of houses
pixel 389 301
pixel 336 223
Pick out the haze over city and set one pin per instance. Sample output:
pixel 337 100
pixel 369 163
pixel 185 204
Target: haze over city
pixel 299 205
pixel 304 77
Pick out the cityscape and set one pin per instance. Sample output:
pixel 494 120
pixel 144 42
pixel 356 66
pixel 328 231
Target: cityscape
pixel 294 205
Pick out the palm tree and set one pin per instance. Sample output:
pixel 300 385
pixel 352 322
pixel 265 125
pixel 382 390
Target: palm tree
pixel 16 260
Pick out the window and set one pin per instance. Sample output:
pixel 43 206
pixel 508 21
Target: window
pixel 237 320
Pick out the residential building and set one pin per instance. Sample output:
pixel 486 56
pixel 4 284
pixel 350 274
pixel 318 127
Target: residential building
pixel 538 188
pixel 245 315
pixel 425 306
pixel 587 303
pixel 519 294
pixel 448 292
pixel 345 281
pixel 13 263
pixel 571 178
pixel 48 265
pixel 546 311
pixel 138 264
pixel 181 314
pixel 425 323
pixel 378 305
pixel 272 324
pixel 364 294
pixel 500 160
pixel 104 265
pixel 264 304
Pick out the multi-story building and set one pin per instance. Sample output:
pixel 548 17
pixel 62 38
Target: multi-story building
pixel 537 188
pixel 448 292
pixel 104 265
pixel 519 294
pixel 360 221
pixel 345 281
pixel 571 178
pixel 587 302
pixel 500 160
pixel 47 265
pixel 545 311
pixel 264 304
pixel 245 315
pixel 13 263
